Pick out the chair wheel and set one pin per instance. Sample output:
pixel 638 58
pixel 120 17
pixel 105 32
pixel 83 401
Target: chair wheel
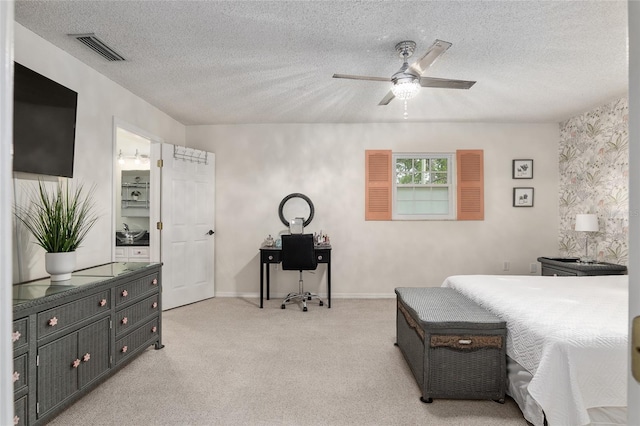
pixel 282 306
pixel 308 297
pixel 426 400
pixel 304 309
pixel 321 304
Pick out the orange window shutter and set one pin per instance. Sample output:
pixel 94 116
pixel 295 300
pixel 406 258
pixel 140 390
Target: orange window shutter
pixel 470 173
pixel 377 185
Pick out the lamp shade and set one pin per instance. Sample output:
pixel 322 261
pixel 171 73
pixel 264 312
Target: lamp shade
pixel 587 223
pixel 406 88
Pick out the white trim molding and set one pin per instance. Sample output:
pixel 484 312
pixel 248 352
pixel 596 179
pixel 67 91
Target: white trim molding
pixel 6 156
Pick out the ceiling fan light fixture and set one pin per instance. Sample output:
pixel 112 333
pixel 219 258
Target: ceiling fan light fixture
pixel 405 89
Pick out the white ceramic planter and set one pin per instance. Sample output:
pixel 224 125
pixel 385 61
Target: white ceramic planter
pixel 60 265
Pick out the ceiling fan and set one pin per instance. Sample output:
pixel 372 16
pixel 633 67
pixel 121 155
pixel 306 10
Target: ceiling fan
pixel 409 78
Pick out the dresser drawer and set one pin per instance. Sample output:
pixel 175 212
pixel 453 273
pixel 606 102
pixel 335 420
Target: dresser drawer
pixel 553 272
pixel 323 256
pixel 19 333
pixel 19 373
pixel 270 256
pixel 121 253
pixel 133 289
pixel 138 253
pixel 142 337
pixel 69 314
pixel 130 317
pixel 20 412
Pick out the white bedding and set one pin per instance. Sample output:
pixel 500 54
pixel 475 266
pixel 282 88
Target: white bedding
pixel 570 333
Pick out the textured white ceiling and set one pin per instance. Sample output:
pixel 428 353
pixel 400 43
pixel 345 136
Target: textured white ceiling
pixel 224 62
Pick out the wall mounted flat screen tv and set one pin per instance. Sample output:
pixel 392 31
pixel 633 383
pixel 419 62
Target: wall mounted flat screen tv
pixel 44 124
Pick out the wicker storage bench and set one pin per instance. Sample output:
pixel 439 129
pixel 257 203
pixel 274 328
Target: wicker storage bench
pixel 455 348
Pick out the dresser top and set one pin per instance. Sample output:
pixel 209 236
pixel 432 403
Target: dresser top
pixel 31 291
pixel 579 266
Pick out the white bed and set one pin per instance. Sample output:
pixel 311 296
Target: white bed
pixel 566 340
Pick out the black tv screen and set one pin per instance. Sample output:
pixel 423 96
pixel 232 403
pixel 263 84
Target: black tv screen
pixel 44 124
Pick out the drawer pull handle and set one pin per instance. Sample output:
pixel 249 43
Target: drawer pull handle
pixel 125 293
pixel 15 336
pixel 16 376
pixel 154 329
pixel 103 302
pixel 16 420
pixel 464 341
pixel 320 257
pixel 86 357
pixel 125 320
pixel 270 257
pixel 154 305
pixel 76 363
pixel 53 322
pixel 155 281
pixel 124 349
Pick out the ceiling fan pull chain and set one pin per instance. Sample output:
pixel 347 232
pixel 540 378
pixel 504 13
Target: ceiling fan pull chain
pixel 406 114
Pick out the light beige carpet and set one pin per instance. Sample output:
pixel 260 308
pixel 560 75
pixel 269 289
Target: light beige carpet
pixel 227 362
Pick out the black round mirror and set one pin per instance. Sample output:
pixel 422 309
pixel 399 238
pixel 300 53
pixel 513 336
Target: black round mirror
pixel 296 205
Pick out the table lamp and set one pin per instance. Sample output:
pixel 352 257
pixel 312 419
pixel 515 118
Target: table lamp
pixel 586 223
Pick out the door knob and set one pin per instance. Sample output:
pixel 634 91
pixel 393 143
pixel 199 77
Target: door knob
pixel 210 232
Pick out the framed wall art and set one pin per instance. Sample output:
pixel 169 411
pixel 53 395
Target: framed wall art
pixel 522 169
pixel 522 197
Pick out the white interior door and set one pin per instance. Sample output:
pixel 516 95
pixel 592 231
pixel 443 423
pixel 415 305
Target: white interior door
pixel 187 214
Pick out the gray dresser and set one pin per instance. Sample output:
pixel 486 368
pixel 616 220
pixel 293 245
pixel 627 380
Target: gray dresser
pixel 69 336
pixel 572 267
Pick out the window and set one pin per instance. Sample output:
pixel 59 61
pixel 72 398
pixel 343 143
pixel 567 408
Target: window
pixel 424 186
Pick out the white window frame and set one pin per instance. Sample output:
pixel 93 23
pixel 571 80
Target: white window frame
pixel 451 179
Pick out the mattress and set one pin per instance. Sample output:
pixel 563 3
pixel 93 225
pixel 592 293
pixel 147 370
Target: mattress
pixel 569 333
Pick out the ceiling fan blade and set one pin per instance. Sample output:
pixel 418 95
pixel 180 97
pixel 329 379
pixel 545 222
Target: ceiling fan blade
pixel 445 83
pixel 387 98
pixel 361 77
pixel 434 52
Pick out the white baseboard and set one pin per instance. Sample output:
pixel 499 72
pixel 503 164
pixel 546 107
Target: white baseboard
pixel 322 295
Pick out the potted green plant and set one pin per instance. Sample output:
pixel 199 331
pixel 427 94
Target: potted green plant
pixel 59 220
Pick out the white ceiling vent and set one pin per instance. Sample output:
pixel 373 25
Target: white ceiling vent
pixel 94 43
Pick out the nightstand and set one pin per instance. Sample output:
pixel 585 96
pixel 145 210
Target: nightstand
pixel 555 266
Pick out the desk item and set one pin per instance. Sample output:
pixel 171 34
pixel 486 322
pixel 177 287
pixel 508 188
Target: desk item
pixel 273 255
pixel 321 238
pixel 298 254
pixel 269 241
pixel 296 226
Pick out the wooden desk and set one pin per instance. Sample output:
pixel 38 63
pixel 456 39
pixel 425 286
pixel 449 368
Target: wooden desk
pixel 269 255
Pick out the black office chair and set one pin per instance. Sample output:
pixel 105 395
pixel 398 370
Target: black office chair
pixel 298 254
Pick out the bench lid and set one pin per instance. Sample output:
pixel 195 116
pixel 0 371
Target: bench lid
pixel 439 307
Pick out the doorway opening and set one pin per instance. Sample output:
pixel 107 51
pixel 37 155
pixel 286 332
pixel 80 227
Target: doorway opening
pixel 136 196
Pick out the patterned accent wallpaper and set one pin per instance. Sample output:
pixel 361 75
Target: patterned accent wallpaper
pixel 594 170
